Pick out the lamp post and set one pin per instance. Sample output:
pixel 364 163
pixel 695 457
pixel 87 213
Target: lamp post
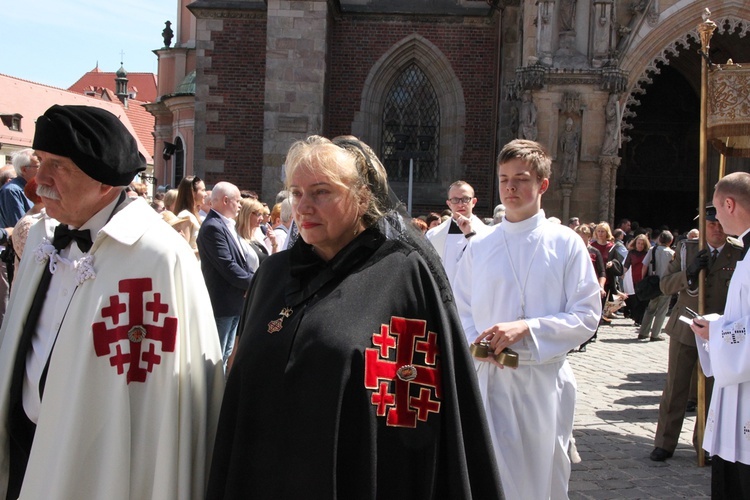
pixel 166 154
pixel 168 150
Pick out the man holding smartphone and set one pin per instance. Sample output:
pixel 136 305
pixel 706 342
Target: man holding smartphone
pixel 724 350
pixel 450 237
pixel 719 259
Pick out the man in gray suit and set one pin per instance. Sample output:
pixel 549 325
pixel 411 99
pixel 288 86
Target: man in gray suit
pixel 682 277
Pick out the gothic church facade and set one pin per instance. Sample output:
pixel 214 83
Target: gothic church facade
pixel 437 87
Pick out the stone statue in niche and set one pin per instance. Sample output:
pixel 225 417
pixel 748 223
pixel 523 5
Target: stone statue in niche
pixel 570 142
pixel 612 126
pixel 527 118
pixel 514 121
pixel 567 15
pixel 568 53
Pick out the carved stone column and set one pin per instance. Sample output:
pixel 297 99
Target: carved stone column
pixel 612 188
pixel 608 165
pixel 567 189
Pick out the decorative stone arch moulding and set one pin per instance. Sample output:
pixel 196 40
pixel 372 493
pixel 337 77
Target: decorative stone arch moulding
pixel 450 95
pixel 728 18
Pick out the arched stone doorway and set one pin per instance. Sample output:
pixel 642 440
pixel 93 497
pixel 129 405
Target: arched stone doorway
pixel 657 182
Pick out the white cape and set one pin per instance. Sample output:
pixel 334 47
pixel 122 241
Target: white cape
pixel 450 247
pixel 109 428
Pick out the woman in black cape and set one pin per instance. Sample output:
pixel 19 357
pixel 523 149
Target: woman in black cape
pixel 352 378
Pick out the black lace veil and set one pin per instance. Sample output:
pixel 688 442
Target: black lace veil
pixel 394 221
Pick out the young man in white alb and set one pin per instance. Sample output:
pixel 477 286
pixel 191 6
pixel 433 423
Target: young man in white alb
pixel 529 286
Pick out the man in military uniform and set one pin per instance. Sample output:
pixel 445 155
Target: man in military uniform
pixel 719 259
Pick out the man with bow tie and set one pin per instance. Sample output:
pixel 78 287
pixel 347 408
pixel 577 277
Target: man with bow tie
pixel 110 382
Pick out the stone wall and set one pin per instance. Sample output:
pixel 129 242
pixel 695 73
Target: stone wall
pixel 297 71
pixel 230 93
pixel 470 47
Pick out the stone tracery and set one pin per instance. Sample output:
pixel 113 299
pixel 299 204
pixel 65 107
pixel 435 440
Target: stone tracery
pixel 725 25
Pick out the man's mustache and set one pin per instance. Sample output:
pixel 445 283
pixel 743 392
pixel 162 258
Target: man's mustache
pixel 47 192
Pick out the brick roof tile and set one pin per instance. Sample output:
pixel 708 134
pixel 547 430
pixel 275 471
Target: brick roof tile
pixel 31 100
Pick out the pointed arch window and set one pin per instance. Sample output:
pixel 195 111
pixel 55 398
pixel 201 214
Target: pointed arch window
pixel 411 127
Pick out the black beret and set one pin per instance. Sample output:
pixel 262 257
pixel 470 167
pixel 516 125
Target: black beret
pixel 95 139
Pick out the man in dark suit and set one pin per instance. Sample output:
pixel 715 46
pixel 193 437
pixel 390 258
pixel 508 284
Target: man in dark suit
pixel 224 264
pixel 682 276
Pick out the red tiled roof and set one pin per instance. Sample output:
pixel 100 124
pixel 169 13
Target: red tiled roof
pixel 31 100
pixel 144 84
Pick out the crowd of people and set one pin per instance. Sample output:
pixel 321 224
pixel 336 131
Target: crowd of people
pixel 621 259
pixel 201 344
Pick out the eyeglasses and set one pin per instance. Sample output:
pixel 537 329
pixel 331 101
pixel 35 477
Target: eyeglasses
pixel 457 201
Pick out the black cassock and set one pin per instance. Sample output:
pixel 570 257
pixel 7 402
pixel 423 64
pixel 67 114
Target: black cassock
pixel 352 381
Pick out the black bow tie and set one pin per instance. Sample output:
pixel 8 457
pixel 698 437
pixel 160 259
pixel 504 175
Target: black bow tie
pixel 64 236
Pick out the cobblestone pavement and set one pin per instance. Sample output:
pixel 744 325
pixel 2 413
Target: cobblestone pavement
pixel 620 380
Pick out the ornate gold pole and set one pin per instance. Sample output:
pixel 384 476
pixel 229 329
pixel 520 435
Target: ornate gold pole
pixel 705 30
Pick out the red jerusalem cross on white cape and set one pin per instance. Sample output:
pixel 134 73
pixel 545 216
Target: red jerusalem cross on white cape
pixel 407 389
pixel 141 329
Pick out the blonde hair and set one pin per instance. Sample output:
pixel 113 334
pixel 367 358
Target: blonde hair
pixel 583 230
pixel 644 239
pixel 247 207
pixel 605 226
pixel 347 162
pixel 169 199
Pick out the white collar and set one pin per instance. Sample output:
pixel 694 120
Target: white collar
pixel 525 225
pixel 229 222
pixel 99 219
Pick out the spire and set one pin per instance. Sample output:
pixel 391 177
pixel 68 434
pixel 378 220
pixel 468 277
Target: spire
pixel 121 84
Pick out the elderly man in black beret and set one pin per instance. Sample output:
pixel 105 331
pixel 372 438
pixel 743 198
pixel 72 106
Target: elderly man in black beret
pixel 110 377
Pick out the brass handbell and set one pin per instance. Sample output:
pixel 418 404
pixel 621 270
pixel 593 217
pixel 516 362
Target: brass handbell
pixel 508 357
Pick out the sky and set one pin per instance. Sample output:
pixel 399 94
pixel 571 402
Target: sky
pixel 55 42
